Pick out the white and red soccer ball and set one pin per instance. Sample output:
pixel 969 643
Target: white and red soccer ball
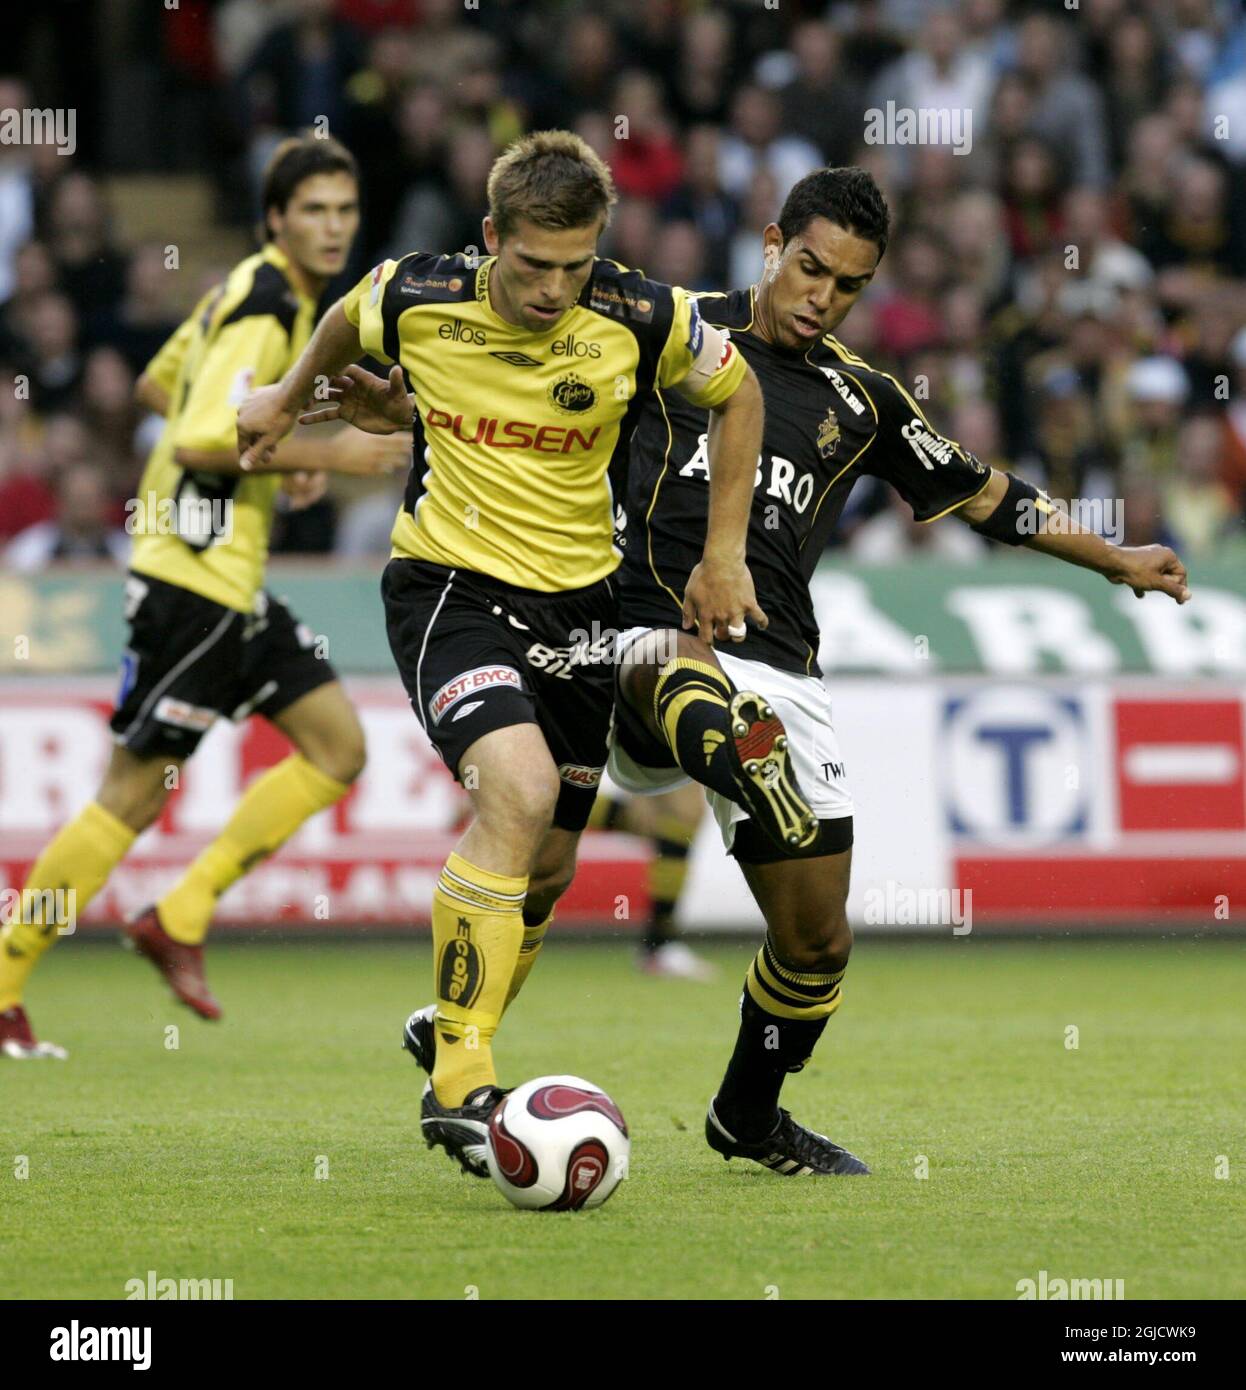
pixel 558 1143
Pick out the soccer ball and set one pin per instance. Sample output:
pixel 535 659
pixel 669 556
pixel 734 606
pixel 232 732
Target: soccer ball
pixel 558 1143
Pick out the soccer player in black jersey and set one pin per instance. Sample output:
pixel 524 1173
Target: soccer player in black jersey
pixel 829 419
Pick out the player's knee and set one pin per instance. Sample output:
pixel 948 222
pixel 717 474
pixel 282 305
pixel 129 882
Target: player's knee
pixel 516 802
pixel 135 802
pixel 545 887
pixel 821 946
pixel 344 759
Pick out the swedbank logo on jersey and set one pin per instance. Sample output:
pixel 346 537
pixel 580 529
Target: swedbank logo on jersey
pixel 572 395
pixel 426 284
pixel 605 299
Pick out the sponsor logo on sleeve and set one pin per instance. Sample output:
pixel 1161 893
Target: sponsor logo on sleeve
pixel 925 444
pixel 576 775
pixel 184 716
pixel 696 329
pixel 243 384
pixel 471 683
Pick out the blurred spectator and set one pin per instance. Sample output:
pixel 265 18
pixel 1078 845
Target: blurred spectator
pixel 822 102
pixel 89 268
pixel 300 72
pixel 755 141
pixel 911 316
pixel 141 323
pixel 1032 180
pixel 1199 509
pixel 53 362
pixel 647 160
pixel 1067 109
pixel 81 532
pixel 701 200
pixel 17 198
pixel 761 207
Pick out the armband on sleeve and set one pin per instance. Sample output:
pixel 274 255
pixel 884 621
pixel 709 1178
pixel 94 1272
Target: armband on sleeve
pixel 1020 515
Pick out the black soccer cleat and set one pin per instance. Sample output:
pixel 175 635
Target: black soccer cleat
pixel 419 1037
pixel 789 1149
pixel 764 774
pixel 461 1130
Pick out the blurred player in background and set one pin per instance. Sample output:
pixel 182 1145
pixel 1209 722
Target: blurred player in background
pixel 206 640
pixel 521 376
pixel 669 822
pixel 829 419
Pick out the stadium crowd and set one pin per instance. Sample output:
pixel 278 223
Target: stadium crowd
pixel 1065 289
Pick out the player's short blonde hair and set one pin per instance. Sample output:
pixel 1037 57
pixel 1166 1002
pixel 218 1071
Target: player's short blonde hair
pixel 554 179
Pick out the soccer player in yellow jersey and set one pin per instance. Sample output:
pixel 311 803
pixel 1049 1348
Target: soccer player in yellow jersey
pixel 521 376
pixel 206 640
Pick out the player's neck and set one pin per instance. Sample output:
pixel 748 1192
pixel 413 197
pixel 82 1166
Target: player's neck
pixel 498 302
pixel 304 282
pixel 762 326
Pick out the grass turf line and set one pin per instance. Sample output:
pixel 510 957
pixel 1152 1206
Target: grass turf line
pixel 199 1161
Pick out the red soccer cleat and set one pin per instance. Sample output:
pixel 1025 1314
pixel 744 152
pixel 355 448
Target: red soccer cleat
pixel 17 1040
pixel 181 966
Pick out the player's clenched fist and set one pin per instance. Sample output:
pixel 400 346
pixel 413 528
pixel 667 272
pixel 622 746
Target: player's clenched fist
pixel 1145 567
pixel 265 417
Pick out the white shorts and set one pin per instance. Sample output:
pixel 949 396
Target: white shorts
pixel 803 703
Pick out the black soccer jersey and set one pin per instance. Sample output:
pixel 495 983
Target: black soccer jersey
pixel 830 418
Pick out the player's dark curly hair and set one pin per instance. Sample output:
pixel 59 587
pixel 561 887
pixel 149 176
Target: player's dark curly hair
pixel 296 159
pixel 849 197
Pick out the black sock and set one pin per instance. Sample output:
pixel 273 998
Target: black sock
pixel 770 1044
pixel 691 701
pixel 667 872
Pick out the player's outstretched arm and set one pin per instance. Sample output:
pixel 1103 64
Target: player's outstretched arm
pixel 1014 511
pixel 268 414
pixel 369 402
pixel 720 597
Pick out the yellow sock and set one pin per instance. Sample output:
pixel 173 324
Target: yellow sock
pixel 530 948
pixel 78 860
pixel 477 932
pixel 271 810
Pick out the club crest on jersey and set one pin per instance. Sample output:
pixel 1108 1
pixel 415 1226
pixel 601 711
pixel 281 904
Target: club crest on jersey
pixel 468 684
pixel 828 434
pixel 572 394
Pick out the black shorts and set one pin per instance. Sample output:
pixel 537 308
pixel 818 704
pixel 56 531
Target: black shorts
pixel 477 655
pixel 189 661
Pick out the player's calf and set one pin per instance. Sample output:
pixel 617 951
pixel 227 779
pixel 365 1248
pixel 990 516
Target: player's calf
pixel 730 741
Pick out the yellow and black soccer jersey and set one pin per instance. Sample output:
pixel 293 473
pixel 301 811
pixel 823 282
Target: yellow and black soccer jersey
pixel 830 418
pixel 516 432
pixel 243 334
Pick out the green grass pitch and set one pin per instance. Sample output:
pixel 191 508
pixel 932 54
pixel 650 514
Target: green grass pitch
pixel 1098 1161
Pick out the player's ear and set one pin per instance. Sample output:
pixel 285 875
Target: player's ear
pixel 492 240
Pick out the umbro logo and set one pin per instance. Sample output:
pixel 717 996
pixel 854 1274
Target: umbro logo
pixel 466 710
pixel 516 359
